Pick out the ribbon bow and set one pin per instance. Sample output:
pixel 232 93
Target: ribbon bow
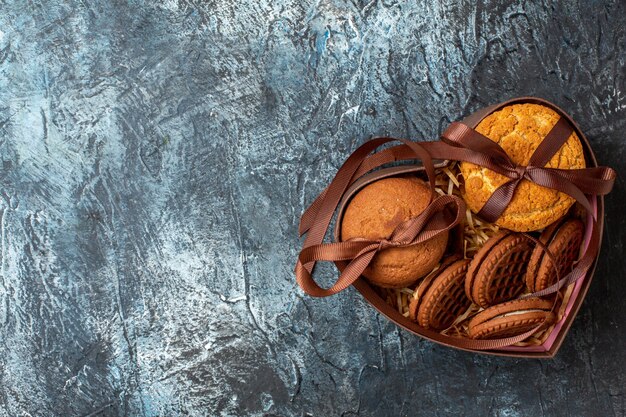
pixel 485 152
pixel 441 215
pixel 434 220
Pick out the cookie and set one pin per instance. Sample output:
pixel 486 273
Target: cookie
pixel 519 129
pixel 510 319
pixel 497 271
pixel 424 284
pixel 443 298
pixel 563 240
pixel 374 213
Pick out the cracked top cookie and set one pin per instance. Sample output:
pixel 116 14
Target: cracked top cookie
pixel 519 129
pixel 374 213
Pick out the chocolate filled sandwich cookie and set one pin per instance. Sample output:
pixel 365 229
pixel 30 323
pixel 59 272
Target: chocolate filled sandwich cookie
pixel 497 271
pixel 519 129
pixel 441 299
pixel 374 212
pixel 563 240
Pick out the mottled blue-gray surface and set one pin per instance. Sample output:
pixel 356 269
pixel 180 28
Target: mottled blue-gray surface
pixel 155 157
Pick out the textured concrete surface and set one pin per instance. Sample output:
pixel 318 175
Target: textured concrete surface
pixel 155 158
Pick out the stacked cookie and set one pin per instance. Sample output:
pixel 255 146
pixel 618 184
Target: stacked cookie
pixel 538 238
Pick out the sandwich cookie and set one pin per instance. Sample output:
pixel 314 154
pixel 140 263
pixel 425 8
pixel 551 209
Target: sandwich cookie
pixel 424 284
pixel 510 319
pixel 563 240
pixel 497 271
pixel 441 298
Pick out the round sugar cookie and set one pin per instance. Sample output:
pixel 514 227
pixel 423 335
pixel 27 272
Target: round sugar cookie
pixel 519 129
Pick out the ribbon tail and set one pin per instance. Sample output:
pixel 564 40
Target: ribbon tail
pixel 553 179
pixel 596 180
pixel 498 201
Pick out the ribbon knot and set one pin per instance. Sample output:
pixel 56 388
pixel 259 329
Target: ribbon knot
pixel 386 244
pixel 520 171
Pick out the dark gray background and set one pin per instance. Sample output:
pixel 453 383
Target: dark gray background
pixel 156 156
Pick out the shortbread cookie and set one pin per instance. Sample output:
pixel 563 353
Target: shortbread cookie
pixel 374 213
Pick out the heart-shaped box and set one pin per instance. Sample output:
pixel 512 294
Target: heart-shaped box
pixel 459 142
pixel 551 345
pixel 553 341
